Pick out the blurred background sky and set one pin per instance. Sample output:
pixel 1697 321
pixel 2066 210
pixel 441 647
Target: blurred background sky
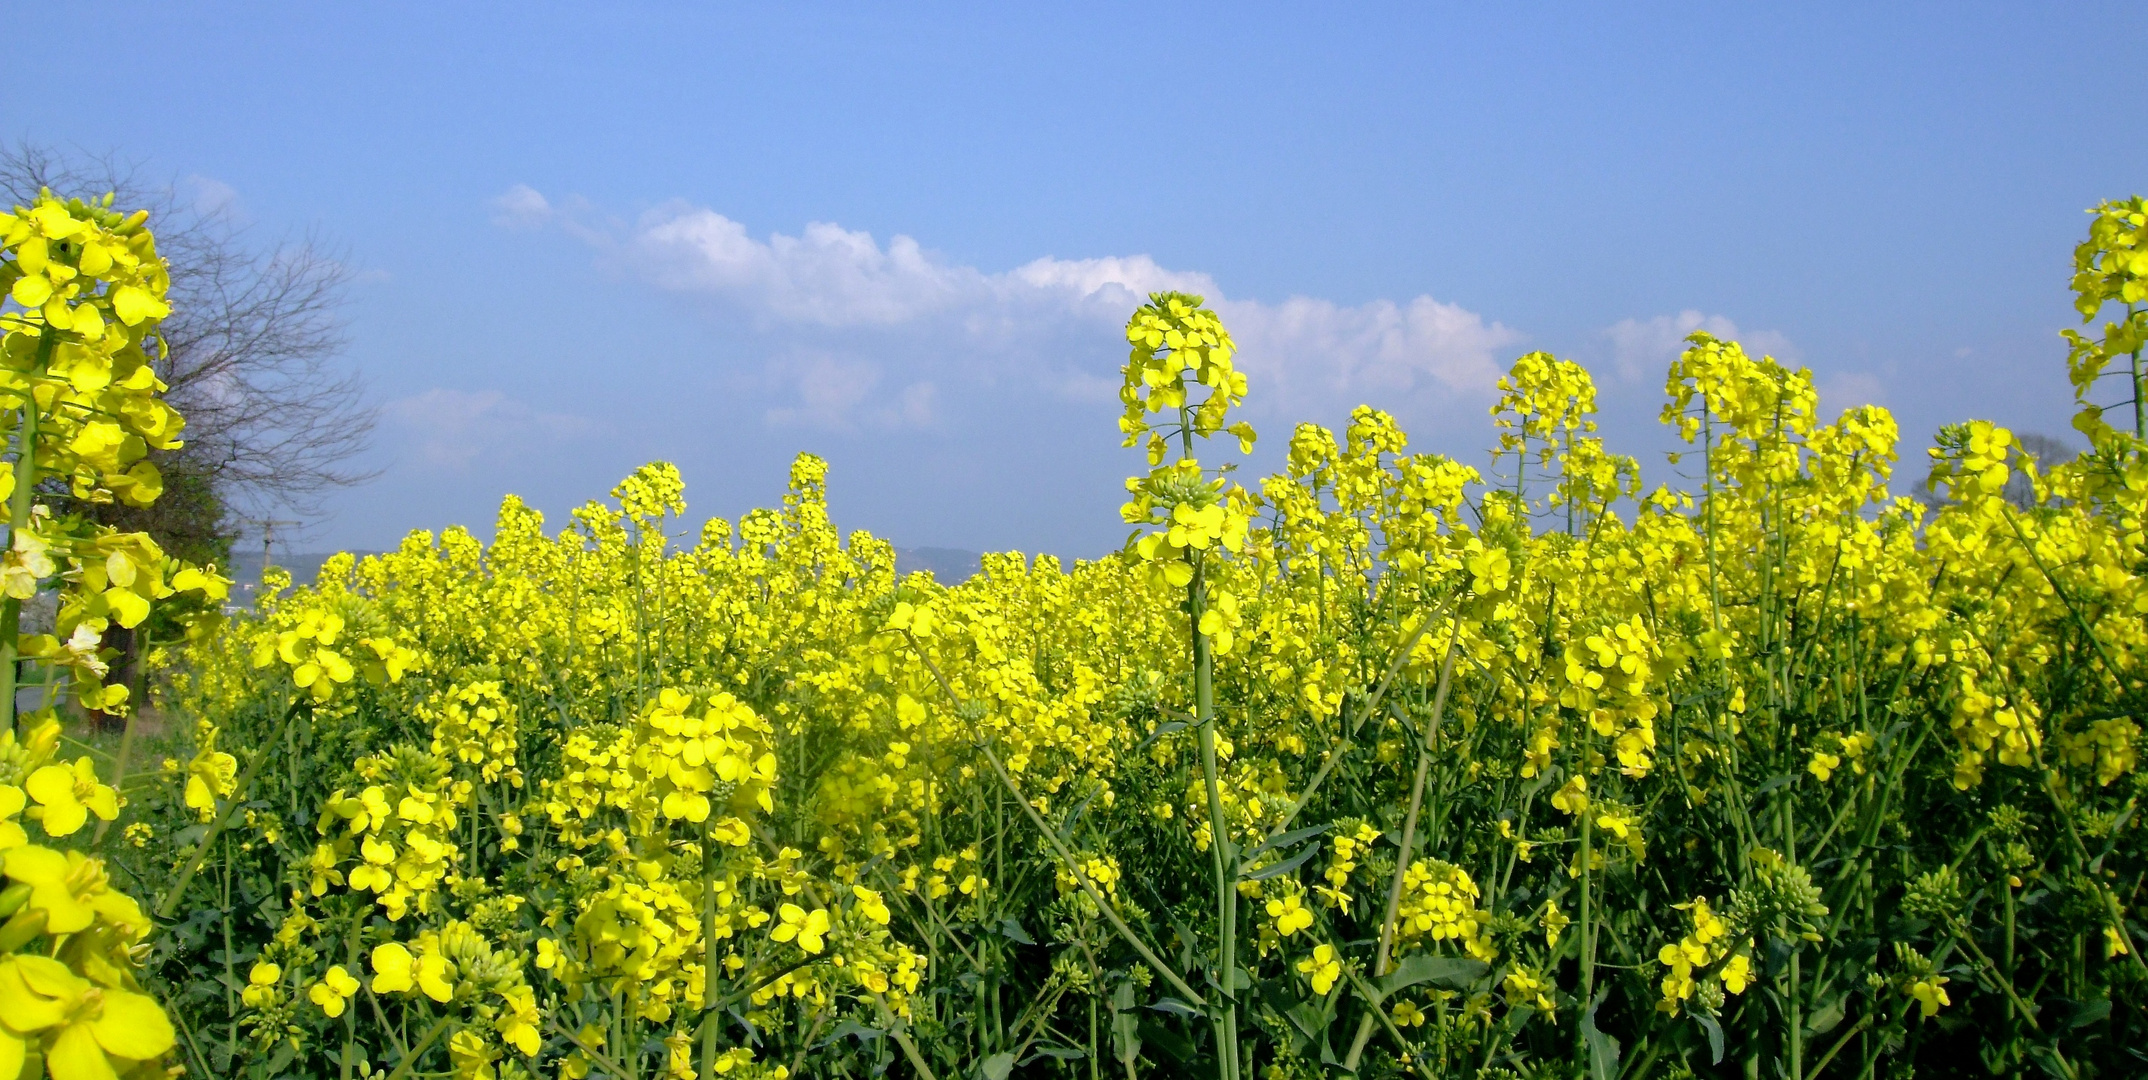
pixel 590 236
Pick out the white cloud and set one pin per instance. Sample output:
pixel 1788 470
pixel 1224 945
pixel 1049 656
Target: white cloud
pixel 928 322
pixel 521 206
pixel 829 276
pixel 1642 349
pixel 834 394
pixel 1842 391
pixel 452 429
pixel 1317 350
pixel 211 197
pixel 1137 274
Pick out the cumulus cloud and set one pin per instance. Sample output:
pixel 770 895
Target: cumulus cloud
pixel 886 327
pixel 1643 348
pixel 1848 389
pixel 211 197
pixel 828 276
pixel 454 429
pixel 521 206
pixel 834 394
pixel 1318 350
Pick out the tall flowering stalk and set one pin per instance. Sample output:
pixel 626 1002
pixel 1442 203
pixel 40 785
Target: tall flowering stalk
pixel 1181 369
pixel 80 405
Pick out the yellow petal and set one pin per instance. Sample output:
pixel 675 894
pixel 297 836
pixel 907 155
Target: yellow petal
pixel 391 968
pixel 75 1055
pixel 104 802
pixel 128 608
pixel 22 1008
pixel 65 817
pixel 133 303
pixel 32 291
pixel 88 323
pixel 432 977
pixel 132 1026
pixel 51 784
pixel 96 259
pixel 54 221
pixel 12 1053
pixel 37 865
pixel 49 977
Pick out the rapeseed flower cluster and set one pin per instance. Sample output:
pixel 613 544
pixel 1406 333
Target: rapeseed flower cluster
pixel 81 296
pixel 1383 761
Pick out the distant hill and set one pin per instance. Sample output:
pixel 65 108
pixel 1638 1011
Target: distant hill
pixel 949 566
pixel 303 566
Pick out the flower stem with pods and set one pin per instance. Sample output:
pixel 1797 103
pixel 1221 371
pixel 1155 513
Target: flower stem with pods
pixel 1222 850
pixel 18 519
pixel 1059 848
pixel 1344 739
pixel 890 1022
pixel 1406 852
pixel 225 809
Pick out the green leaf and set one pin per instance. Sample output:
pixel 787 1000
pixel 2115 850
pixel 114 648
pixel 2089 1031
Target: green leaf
pixel 1825 1018
pixel 1288 839
pixel 851 1029
pixel 1284 867
pixel 1074 816
pixel 2089 1013
pixel 1172 1043
pixel 1451 972
pixel 1774 782
pixel 1125 1024
pixel 1603 1048
pixel 1166 728
pixel 1014 931
pixel 1174 1006
pixel 1715 1037
pixel 997 1066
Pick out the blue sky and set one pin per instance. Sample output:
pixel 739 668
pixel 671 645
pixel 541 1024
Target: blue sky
pixel 590 237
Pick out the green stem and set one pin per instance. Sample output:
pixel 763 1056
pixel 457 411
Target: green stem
pixel 708 959
pixel 1408 848
pixel 126 738
pixel 432 1035
pixel 18 518
pixel 1378 1010
pixel 1820 1066
pixel 177 895
pixel 1225 1010
pixel 596 1057
pixel 1348 732
pixel 1585 939
pixel 1797 1019
pixel 1066 857
pixel 895 1028
pixel 2140 417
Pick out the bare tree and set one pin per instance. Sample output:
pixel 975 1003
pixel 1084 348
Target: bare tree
pixel 2046 452
pixel 271 422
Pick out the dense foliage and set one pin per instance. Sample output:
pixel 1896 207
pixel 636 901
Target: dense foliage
pixel 1385 767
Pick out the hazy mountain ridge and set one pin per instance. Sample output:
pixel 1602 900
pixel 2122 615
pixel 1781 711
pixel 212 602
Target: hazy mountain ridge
pixel 948 565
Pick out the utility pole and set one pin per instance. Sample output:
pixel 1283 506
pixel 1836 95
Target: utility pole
pixel 268 538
